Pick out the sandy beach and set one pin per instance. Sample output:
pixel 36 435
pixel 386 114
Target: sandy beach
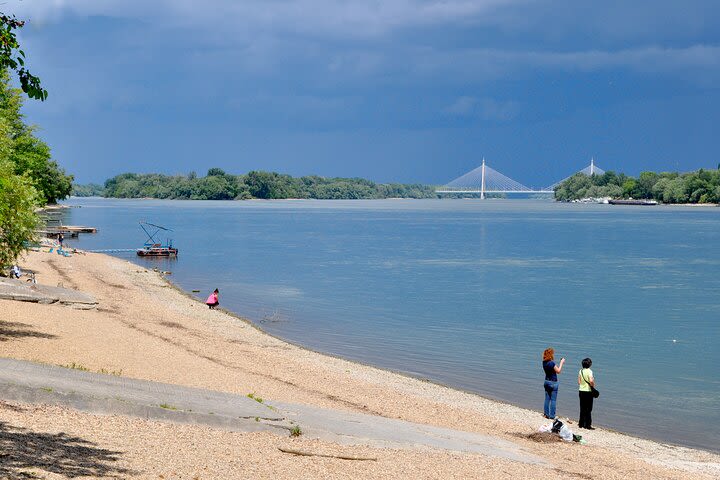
pixel 145 328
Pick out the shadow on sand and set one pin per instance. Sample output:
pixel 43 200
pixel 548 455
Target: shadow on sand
pixel 26 454
pixel 10 330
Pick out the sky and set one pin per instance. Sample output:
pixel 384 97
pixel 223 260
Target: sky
pixel 393 90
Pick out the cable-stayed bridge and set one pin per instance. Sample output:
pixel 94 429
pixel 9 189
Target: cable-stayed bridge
pixel 485 180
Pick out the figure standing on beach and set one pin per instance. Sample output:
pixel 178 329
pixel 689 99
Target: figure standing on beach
pixel 551 381
pixel 61 237
pixel 213 301
pixel 586 381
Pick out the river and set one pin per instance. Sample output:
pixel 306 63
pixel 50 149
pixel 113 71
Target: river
pixel 468 293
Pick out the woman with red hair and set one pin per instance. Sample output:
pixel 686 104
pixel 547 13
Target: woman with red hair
pixel 551 381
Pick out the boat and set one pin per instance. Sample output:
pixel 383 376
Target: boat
pixel 157 250
pixel 632 202
pixel 153 248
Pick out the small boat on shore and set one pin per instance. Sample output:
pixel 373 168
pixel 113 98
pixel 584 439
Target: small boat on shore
pixel 152 248
pixel 633 202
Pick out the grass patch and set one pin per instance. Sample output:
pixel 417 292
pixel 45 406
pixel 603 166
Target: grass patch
pixel 76 366
pixel 296 431
pixel 255 397
pixel 167 406
pixel 47 389
pixel 104 371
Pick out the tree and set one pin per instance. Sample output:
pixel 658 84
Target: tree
pixel 18 221
pixel 13 58
pixel 28 178
pixel 29 155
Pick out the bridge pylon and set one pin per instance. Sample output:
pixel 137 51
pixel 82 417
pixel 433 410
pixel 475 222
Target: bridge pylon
pixel 482 181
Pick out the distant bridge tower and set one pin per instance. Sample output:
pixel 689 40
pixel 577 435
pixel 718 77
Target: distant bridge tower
pixel 485 179
pixel 482 181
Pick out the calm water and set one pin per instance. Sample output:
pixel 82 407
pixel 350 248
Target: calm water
pixel 468 293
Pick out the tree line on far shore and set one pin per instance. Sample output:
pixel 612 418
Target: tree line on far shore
pixel 701 186
pixel 218 185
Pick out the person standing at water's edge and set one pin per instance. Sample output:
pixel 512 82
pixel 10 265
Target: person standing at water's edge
pixel 586 381
pixel 213 300
pixel 551 381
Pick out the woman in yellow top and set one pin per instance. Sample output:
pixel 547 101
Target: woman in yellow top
pixel 585 381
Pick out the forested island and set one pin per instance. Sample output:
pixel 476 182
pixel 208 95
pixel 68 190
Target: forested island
pixel 701 186
pixel 218 185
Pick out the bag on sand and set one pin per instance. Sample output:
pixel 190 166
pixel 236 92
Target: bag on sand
pixel 556 426
pixel 562 430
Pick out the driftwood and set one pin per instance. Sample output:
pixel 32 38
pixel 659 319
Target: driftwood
pixel 311 454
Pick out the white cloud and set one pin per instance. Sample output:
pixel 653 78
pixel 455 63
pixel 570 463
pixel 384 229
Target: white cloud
pixel 360 18
pixel 489 64
pixel 485 108
pixel 462 106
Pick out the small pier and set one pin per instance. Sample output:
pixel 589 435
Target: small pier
pixel 73 229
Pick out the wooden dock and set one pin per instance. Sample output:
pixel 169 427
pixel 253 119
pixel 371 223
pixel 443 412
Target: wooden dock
pixel 72 229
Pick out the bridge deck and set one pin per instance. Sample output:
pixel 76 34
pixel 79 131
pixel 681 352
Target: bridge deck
pixel 493 191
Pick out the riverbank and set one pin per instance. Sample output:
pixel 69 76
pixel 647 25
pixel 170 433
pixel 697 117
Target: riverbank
pixel 144 328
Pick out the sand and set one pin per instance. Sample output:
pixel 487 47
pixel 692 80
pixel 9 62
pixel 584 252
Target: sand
pixel 145 328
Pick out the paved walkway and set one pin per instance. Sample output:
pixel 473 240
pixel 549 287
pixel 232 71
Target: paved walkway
pixel 11 289
pixel 108 394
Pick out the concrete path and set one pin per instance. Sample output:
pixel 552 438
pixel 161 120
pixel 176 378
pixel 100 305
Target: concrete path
pixel 108 394
pixel 12 289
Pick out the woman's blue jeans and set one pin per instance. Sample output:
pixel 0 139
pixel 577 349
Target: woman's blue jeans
pixel 551 389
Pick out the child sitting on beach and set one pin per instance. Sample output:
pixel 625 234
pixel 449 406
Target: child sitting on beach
pixel 212 301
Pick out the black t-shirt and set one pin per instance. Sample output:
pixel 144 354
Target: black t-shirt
pixel 550 373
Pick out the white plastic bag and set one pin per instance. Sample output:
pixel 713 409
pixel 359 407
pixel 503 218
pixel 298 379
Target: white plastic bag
pixel 565 433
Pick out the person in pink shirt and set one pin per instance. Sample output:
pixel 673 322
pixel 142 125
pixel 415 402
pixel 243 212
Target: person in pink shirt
pixel 212 301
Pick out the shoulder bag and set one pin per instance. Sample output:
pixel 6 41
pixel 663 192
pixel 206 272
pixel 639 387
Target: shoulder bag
pixel 595 391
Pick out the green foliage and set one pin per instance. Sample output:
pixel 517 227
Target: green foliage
pixel 610 184
pixel 89 190
pixel 218 185
pixel 18 221
pixel 13 58
pixel 76 366
pixel 255 397
pixel 702 186
pixel 29 155
pixel 28 176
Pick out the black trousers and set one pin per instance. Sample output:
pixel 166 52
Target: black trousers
pixel 586 404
